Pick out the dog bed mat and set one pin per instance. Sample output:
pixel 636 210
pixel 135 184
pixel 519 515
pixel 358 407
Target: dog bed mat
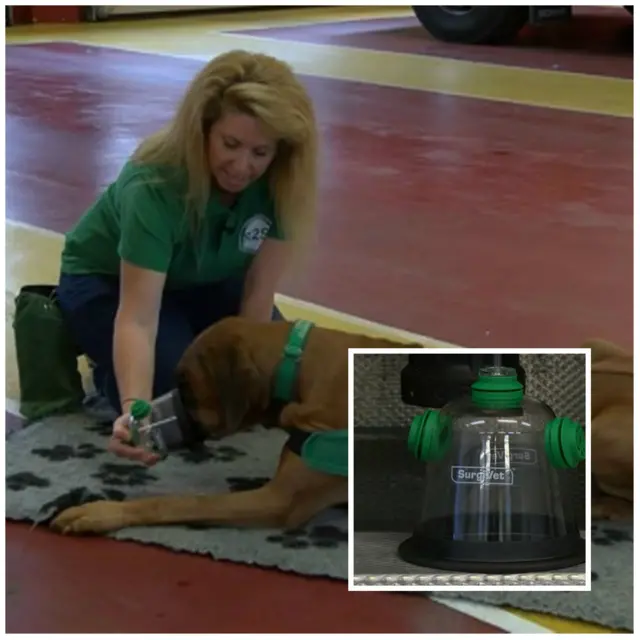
pixel 62 462
pixel 609 603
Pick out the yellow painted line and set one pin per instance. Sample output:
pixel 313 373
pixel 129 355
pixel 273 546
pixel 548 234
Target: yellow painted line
pixel 497 616
pixel 560 625
pixel 532 87
pixel 519 621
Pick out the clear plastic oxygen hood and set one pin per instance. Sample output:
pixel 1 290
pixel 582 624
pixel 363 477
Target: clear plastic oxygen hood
pixel 495 461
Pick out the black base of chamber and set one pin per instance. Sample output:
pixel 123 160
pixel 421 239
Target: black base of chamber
pixel 494 557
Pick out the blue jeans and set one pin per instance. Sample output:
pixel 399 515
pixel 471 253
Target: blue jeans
pixel 89 304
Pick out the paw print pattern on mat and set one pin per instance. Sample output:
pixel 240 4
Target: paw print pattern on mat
pixel 195 456
pixel 63 452
pixel 245 484
pixel 25 480
pixel 101 428
pixel 223 453
pixel 322 536
pixel 328 536
pixel 606 536
pixel 132 475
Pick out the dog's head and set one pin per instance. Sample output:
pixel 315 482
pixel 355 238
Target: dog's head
pixel 222 387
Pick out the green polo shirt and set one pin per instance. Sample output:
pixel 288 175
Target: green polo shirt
pixel 140 218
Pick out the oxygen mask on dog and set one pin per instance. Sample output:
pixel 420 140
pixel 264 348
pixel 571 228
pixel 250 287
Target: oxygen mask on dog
pixel 161 425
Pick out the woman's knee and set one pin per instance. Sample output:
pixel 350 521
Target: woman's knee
pixel 91 328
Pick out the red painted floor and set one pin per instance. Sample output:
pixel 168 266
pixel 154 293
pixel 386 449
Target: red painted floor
pixel 69 129
pixel 58 584
pixel 470 221
pixel 598 41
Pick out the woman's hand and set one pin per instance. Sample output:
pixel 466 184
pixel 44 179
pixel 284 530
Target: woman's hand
pixel 120 444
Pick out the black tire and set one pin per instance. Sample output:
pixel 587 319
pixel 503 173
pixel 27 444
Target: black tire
pixel 472 24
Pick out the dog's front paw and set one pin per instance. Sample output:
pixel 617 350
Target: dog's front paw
pixel 94 517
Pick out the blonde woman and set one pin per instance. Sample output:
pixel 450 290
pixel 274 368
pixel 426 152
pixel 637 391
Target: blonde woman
pixel 200 224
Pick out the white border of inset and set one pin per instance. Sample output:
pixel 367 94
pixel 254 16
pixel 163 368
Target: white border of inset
pixel 466 351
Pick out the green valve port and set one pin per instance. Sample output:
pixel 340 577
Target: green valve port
pixel 564 443
pixel 430 435
pixel 497 388
pixel 140 409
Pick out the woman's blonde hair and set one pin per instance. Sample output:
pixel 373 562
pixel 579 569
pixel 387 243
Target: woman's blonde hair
pixel 266 88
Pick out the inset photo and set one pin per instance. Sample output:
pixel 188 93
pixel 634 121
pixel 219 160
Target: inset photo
pixel 470 470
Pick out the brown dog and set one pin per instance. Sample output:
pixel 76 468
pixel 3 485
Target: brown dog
pixel 227 374
pixel 611 431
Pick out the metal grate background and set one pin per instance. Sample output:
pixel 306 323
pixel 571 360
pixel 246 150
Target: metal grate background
pixel 385 473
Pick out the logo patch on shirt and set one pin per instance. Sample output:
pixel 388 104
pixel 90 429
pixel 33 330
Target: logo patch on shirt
pixel 253 233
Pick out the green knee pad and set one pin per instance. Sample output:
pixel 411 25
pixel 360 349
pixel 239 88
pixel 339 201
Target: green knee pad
pixel 327 451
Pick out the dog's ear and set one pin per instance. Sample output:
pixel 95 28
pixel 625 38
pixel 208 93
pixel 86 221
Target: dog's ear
pixel 227 385
pixel 243 387
pixel 240 386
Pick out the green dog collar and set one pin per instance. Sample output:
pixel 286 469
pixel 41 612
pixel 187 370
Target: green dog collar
pixel 327 451
pixel 284 388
